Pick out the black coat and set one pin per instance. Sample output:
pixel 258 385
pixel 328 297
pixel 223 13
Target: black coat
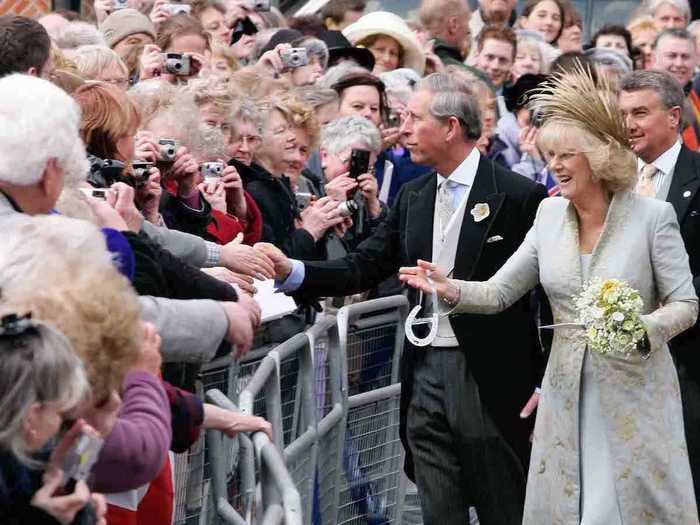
pixel 685 198
pixel 503 350
pixel 278 206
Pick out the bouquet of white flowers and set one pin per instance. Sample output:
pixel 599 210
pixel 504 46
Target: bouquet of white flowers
pixel 611 312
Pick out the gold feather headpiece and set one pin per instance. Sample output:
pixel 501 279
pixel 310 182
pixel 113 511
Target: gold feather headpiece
pixel 575 97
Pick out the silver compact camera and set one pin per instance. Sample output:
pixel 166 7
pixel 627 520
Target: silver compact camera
pixel 294 57
pixel 176 8
pixel 120 4
pixel 177 64
pixel 212 171
pixel 168 148
pixel 303 200
pixel 348 208
pixel 140 173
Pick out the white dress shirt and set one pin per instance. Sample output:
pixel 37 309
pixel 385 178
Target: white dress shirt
pixel 665 164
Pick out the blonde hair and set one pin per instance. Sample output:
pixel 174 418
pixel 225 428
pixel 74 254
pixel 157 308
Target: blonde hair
pixel 251 83
pixel 612 164
pixel 298 114
pixel 77 288
pixel 211 90
pixel 225 52
pixel 641 24
pixel 92 60
pixel 107 115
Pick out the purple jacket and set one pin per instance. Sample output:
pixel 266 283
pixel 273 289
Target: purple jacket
pixel 134 452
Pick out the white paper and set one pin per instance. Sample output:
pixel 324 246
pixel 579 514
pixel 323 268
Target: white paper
pixel 273 305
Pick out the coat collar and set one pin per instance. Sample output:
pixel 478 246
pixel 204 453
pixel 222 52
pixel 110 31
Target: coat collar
pixel 616 218
pixel 685 182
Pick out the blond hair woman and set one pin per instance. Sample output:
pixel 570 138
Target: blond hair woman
pixel 609 445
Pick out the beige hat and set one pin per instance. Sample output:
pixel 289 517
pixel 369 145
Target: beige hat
pixel 389 24
pixel 124 22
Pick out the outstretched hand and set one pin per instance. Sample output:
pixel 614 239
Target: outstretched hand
pixel 417 277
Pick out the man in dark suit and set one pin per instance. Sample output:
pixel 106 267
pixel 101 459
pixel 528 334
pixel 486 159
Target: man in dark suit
pixel 652 102
pixel 462 418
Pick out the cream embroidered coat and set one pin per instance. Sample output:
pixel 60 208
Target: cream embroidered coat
pixel 640 244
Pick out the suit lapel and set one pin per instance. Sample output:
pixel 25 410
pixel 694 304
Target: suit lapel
pixel 419 221
pixel 685 183
pixel 472 235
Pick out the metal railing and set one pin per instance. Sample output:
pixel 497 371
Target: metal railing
pixel 332 396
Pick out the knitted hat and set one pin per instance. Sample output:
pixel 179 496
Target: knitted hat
pixel 125 22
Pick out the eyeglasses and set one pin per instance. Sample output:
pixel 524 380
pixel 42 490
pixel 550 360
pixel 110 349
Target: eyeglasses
pixel 252 140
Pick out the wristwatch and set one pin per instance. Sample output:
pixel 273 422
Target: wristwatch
pixel 449 303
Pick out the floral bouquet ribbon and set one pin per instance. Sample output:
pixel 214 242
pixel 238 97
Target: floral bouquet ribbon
pixel 610 312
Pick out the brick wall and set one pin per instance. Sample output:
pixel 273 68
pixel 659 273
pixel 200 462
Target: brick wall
pixel 32 8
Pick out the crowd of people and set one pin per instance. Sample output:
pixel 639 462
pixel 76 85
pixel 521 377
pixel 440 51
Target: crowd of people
pixel 160 160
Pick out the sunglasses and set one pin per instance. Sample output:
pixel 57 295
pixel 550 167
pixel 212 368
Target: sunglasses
pixel 242 26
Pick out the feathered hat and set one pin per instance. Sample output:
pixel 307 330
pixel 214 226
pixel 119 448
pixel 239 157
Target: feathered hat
pixel 576 98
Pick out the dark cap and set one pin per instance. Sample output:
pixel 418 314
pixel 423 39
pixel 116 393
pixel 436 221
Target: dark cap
pixel 283 36
pixel 515 96
pixel 340 47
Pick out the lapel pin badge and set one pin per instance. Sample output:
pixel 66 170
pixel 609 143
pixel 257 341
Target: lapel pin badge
pixel 480 211
pixel 686 194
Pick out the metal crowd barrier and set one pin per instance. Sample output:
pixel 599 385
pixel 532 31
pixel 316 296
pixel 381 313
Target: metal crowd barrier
pixel 332 397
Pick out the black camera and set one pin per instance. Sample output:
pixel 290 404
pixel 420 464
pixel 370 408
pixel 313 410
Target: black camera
pixel 141 173
pixel 105 172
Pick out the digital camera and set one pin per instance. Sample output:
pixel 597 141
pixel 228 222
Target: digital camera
pixel 303 200
pixel 294 57
pixel 176 8
pixel 79 460
pixel 104 172
pixel 394 119
pixel 97 193
pixel 168 148
pixel 261 5
pixel 177 64
pixel 212 171
pixel 120 4
pixel 348 208
pixel 140 173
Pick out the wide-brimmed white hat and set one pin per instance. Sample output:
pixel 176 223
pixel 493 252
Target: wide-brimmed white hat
pixel 389 24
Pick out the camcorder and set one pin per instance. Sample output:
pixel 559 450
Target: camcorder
pixel 212 171
pixel 177 64
pixel 295 57
pixel 167 149
pixel 175 8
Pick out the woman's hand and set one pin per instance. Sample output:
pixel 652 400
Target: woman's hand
pixel 339 187
pixel 234 186
pixel 417 277
pixel 231 423
pixel 149 358
pixel 370 189
pixel 160 12
pixel 148 197
pixel 320 216
pixel 64 507
pixel 103 8
pixel 272 60
pixel 185 171
pixel 215 194
pixel 390 137
pixel 151 62
pixel 528 142
pixel 146 147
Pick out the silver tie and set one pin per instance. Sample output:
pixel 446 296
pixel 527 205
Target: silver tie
pixel 445 208
pixel 646 185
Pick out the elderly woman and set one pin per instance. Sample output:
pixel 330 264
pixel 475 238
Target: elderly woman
pixel 246 122
pixel 390 40
pixel 41 382
pixel 609 445
pixel 101 63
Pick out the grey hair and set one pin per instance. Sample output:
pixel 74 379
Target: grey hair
pixel 262 38
pixel 681 34
pixel 208 143
pixel 77 34
pixel 246 109
pixel 452 97
pixel 664 85
pixel 93 59
pixel 400 83
pixel 682 5
pixel 335 73
pixel 37 367
pixel 348 132
pixel 317 97
pixel 314 47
